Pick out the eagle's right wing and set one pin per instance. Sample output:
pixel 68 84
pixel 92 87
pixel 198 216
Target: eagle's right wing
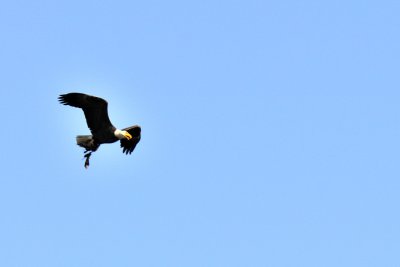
pixel 129 145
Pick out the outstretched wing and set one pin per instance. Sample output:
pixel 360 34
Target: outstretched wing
pixel 95 109
pixel 129 145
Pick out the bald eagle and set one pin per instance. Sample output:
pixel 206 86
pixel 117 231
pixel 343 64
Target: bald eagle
pixel 103 132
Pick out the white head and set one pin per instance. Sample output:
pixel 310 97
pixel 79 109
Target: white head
pixel 122 134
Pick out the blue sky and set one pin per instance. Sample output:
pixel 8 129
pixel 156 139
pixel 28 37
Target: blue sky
pixel 270 133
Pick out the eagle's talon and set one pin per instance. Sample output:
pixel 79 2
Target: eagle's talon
pixel 87 156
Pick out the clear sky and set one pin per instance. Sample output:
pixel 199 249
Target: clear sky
pixel 270 133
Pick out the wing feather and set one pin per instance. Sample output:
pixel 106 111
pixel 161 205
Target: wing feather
pixel 129 145
pixel 94 108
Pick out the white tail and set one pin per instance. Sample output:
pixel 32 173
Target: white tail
pixel 87 142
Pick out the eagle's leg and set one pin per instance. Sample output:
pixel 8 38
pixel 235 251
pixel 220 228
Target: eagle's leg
pixel 87 156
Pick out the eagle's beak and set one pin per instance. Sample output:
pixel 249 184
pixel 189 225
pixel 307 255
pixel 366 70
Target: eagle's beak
pixel 127 135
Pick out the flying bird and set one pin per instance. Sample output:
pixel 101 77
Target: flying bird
pixel 103 132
